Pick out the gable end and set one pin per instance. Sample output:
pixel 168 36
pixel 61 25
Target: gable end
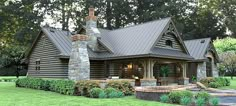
pixel 170 39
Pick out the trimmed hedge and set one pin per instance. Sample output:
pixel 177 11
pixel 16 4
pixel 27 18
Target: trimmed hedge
pixel 89 88
pixel 35 83
pixel 66 87
pixel 123 86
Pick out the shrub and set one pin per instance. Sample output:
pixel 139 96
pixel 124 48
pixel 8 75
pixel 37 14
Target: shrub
pixel 185 101
pixel 85 86
pixel 164 98
pixel 46 85
pixel 123 86
pixel 203 95
pixel 66 87
pixel 200 102
pixel 220 81
pixel 214 101
pixel 102 95
pixel 116 94
pixel 35 83
pixel 175 96
pixel 214 84
pixel 60 86
pixel 227 82
pixel 109 90
pixel 188 94
pixel 207 80
pixel 94 92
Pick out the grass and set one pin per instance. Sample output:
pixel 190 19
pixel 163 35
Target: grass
pixel 10 77
pixel 12 96
pixel 232 84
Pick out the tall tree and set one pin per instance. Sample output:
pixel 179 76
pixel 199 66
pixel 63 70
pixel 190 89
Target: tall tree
pixel 20 23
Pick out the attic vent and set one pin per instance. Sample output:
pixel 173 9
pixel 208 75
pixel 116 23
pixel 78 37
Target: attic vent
pixel 52 31
pixel 202 41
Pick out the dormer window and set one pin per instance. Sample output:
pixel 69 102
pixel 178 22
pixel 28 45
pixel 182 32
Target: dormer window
pixel 169 43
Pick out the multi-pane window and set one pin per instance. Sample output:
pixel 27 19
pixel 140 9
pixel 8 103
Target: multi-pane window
pixel 37 65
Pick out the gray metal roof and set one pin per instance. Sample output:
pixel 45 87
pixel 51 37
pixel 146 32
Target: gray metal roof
pixel 133 41
pixel 60 38
pixel 198 47
pixel 136 40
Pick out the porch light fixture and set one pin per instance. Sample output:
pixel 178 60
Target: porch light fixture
pixel 129 66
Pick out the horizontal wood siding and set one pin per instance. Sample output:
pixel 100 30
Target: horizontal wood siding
pixel 97 69
pixel 176 45
pixel 50 65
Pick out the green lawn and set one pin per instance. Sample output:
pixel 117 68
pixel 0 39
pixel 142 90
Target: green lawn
pixel 232 85
pixel 10 77
pixel 12 96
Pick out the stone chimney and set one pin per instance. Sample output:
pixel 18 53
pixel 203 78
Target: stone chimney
pixel 92 31
pixel 79 65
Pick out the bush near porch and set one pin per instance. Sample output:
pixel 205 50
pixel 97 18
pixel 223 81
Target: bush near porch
pixel 80 88
pixel 215 82
pixel 188 98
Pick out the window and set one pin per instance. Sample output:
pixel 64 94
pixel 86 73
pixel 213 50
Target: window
pixel 169 43
pixel 37 65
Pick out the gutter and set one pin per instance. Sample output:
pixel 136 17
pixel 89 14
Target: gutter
pixel 131 56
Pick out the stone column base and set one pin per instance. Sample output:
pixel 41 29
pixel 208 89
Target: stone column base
pixel 148 82
pixel 183 81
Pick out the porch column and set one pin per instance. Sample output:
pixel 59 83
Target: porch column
pixel 144 69
pixel 148 69
pixel 184 66
pixel 185 80
pixel 152 66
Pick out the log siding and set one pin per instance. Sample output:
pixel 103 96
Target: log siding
pixel 175 43
pixel 50 65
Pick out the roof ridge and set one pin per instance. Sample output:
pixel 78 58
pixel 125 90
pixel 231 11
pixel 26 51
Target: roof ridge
pixel 197 39
pixel 140 24
pixel 57 29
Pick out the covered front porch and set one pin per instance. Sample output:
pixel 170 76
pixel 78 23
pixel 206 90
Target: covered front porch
pixel 147 71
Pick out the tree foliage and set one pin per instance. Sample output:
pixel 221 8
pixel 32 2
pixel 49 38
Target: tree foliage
pixel 227 52
pixel 229 62
pixel 20 20
pixel 225 45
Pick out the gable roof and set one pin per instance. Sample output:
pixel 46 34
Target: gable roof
pixel 199 47
pixel 128 42
pixel 170 28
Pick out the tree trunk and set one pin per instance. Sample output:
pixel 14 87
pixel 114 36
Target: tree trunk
pixel 63 15
pixel 108 14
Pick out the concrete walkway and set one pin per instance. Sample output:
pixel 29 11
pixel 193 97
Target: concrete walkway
pixel 226 97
